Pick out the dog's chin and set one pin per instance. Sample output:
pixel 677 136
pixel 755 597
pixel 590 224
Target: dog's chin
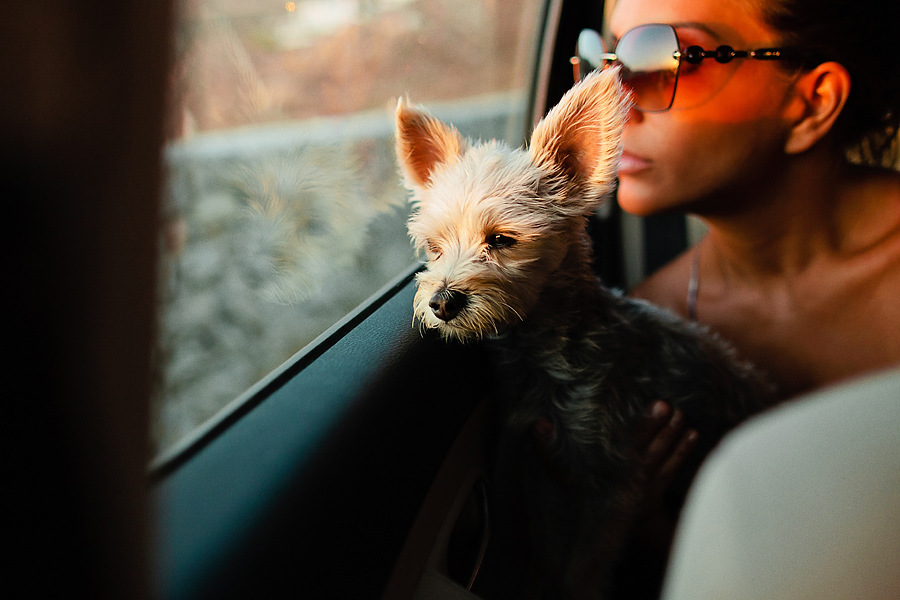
pixel 461 330
pixel 450 333
pixel 484 317
pixel 453 332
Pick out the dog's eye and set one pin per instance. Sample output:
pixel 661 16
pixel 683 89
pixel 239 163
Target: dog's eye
pixel 433 250
pixel 497 241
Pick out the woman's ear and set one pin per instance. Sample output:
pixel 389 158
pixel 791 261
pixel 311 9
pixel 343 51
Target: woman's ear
pixel 823 92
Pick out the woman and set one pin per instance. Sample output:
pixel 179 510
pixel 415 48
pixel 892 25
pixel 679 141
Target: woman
pixel 800 268
pixel 781 154
pixel 783 160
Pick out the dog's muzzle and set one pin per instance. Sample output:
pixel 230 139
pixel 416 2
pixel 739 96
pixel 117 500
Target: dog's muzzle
pixel 446 304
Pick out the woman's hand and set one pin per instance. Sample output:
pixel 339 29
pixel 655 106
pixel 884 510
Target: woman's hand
pixel 662 442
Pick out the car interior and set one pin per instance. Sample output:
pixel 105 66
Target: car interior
pixel 359 468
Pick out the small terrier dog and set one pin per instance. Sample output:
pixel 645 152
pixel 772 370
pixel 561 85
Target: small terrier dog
pixel 509 261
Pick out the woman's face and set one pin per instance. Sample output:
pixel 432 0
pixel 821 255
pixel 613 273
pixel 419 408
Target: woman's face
pixel 725 132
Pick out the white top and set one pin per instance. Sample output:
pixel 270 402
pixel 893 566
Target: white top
pixel 800 502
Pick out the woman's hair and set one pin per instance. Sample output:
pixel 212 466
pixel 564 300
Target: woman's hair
pixel 862 36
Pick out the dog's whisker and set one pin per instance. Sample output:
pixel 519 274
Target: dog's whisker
pixel 512 310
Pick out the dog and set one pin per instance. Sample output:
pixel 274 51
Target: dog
pixel 508 261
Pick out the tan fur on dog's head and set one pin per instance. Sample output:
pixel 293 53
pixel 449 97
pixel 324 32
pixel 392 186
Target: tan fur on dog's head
pixel 494 221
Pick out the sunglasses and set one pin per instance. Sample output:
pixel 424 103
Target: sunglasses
pixel 654 65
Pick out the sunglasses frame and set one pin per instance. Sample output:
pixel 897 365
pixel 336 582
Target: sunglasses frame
pixel 694 55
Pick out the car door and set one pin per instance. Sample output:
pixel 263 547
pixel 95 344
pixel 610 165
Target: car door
pixel 284 221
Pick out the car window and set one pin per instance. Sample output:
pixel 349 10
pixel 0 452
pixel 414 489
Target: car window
pixel 283 208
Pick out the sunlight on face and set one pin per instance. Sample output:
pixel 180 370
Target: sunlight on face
pixel 728 122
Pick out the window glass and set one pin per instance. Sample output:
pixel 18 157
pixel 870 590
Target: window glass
pixel 283 208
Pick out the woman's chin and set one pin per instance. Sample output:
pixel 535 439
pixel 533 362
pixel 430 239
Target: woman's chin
pixel 636 201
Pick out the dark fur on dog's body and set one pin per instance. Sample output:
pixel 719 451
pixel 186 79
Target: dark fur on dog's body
pixel 591 362
pixel 509 260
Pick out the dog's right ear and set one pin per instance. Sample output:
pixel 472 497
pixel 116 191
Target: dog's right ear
pixel 580 138
pixel 423 143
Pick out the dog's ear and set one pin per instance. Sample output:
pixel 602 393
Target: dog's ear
pixel 423 143
pixel 580 139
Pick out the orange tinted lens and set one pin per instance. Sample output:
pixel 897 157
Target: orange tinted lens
pixel 699 83
pixel 650 66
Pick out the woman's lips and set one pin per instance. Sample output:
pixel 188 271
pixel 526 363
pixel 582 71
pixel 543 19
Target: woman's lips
pixel 631 163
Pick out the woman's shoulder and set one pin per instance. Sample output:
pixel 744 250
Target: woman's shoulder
pixel 668 286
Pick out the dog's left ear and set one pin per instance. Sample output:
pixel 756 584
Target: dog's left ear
pixel 580 139
pixel 423 143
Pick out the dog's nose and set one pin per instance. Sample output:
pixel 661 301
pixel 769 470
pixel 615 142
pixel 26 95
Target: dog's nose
pixel 446 304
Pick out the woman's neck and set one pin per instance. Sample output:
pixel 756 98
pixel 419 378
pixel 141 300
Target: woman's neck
pixel 802 215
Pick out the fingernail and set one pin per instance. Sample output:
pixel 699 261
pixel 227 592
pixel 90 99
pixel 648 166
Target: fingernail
pixel 659 409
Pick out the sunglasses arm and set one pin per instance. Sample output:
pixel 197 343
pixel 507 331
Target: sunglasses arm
pixel 725 54
pixel 581 67
pixel 576 68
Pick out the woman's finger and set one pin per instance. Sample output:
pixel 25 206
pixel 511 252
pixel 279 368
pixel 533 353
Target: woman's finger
pixel 665 441
pixel 673 461
pixel 650 424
